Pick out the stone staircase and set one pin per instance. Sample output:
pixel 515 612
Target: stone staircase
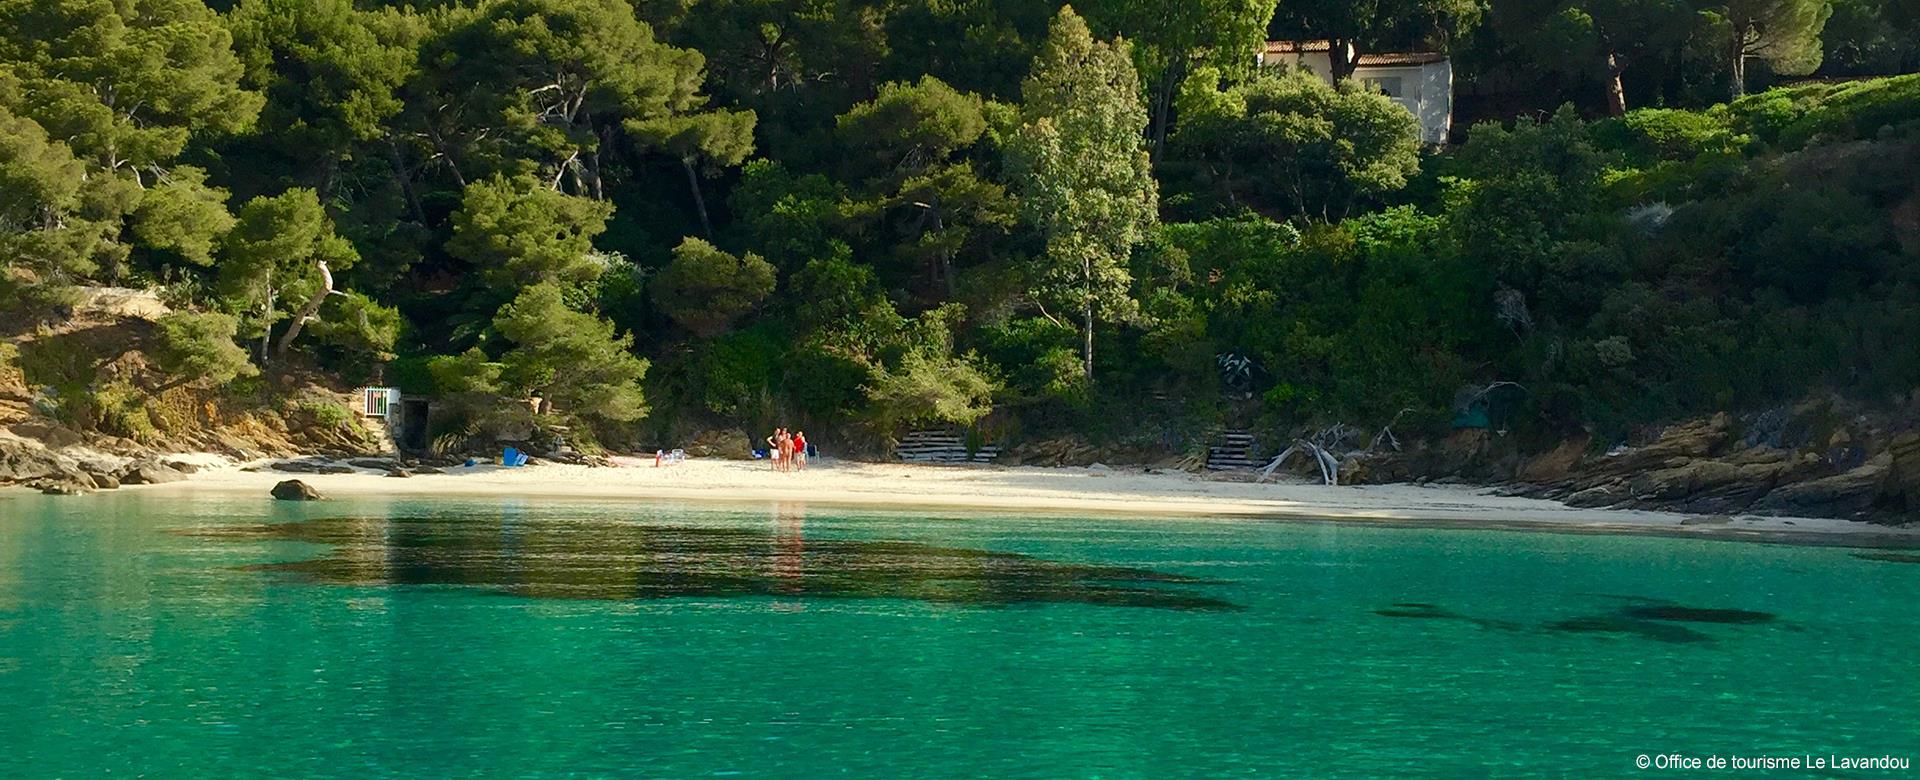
pixel 1232 451
pixel 941 447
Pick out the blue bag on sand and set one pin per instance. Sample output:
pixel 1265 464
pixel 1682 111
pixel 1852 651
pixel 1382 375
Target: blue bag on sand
pixel 512 457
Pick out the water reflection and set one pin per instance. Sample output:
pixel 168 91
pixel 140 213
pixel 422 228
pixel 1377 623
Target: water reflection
pixel 589 558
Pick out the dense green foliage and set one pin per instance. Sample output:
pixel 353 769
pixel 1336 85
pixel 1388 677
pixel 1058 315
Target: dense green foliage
pixel 862 216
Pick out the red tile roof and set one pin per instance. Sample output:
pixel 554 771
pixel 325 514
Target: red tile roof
pixel 1401 58
pixel 1379 59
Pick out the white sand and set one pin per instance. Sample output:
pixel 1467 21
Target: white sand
pixel 1119 491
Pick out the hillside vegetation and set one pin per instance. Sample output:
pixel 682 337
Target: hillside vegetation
pixel 861 218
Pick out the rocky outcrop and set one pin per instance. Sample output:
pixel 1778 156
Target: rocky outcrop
pixel 1822 458
pixel 295 490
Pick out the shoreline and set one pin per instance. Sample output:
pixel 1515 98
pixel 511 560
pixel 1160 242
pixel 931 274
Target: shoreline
pixel 1113 492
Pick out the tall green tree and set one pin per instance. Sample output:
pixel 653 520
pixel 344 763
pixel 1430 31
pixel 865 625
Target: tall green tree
pixel 572 358
pixel 1783 33
pixel 518 232
pixel 332 76
pixel 1171 39
pixel 113 92
pixel 282 250
pixel 545 82
pixel 1079 160
pixel 911 142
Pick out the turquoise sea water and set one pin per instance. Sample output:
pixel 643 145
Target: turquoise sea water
pixel 142 636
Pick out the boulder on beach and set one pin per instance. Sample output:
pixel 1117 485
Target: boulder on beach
pixel 295 490
pixel 149 473
pixel 103 481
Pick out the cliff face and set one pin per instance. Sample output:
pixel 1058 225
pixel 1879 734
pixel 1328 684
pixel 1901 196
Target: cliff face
pixel 1821 458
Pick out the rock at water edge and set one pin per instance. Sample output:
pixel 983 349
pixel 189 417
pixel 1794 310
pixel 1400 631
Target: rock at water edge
pixel 295 490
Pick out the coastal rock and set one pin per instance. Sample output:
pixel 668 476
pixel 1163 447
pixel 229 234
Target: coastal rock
pixel 1844 494
pixel 1596 497
pixel 183 466
pixel 310 467
pixel 149 473
pixel 24 460
pixel 379 464
pixel 399 473
pixel 52 434
pixel 60 487
pixel 1556 464
pixel 103 481
pixel 427 470
pixel 295 490
pixel 1901 491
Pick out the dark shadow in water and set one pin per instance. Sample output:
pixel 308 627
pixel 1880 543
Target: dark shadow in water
pixel 1642 617
pixel 1680 614
pixel 1619 624
pixel 1889 557
pixel 612 559
pixel 1424 611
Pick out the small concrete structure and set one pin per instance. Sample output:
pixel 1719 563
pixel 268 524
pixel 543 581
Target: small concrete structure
pixel 1421 82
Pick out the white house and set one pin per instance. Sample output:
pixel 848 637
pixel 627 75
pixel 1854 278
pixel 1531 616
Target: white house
pixel 1422 82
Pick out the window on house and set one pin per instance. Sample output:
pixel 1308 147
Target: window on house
pixel 1384 85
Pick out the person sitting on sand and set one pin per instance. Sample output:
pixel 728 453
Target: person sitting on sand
pixel 800 450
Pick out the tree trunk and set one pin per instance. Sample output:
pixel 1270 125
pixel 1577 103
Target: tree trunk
pixel 1163 108
pixel 1739 63
pixel 307 311
pixel 266 329
pixel 1086 332
pixel 699 200
pixel 1616 92
pixel 406 182
pixel 1342 58
pixel 440 145
pixel 1086 321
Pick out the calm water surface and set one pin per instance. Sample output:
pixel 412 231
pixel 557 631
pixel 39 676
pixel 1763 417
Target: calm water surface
pixel 220 637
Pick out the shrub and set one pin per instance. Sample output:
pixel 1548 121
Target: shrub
pixel 930 389
pixel 323 413
pixel 198 347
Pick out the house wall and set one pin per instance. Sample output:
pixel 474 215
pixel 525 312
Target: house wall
pixel 1318 62
pixel 1426 90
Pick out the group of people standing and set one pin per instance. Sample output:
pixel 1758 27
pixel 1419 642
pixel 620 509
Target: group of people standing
pixel 787 450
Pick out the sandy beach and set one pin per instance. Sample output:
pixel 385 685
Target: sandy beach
pixel 1077 491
